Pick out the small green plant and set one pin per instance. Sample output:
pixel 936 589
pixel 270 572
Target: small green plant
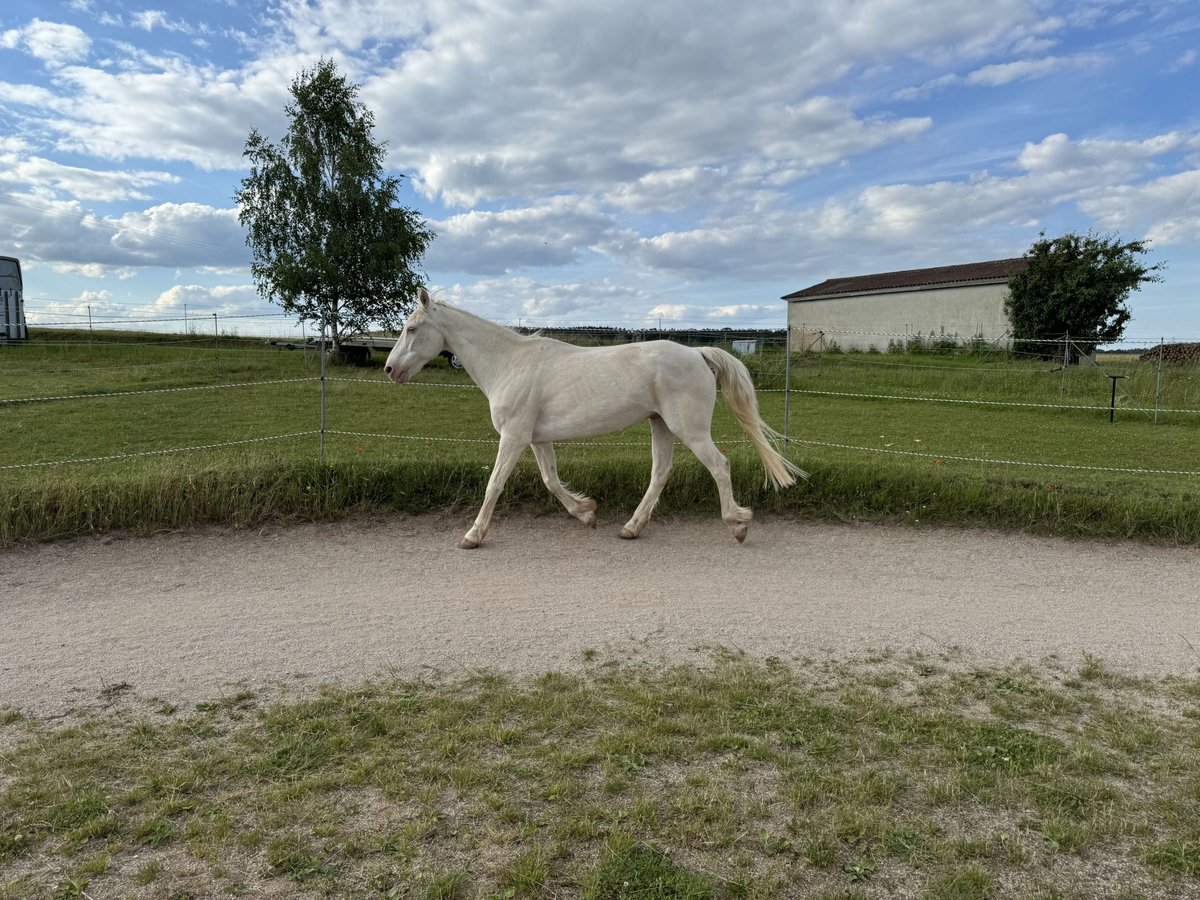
pixel 447 886
pixel 149 871
pixel 629 870
pixel 860 869
pixel 967 883
pixel 291 854
pixel 528 873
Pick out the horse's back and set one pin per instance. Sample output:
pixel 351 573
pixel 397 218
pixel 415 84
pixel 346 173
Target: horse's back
pixel 595 390
pixel 655 365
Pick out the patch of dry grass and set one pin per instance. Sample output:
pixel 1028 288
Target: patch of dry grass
pixel 896 776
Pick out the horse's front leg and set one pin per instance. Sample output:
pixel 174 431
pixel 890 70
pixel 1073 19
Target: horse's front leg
pixel 581 507
pixel 506 458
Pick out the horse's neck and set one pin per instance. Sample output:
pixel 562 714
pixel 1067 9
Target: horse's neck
pixel 484 348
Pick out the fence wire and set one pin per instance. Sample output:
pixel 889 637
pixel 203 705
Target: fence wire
pixel 112 457
pixel 171 390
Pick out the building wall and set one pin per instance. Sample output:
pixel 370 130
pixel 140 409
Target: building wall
pixel 965 311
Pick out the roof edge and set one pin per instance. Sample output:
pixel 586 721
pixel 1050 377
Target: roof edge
pixel 988 272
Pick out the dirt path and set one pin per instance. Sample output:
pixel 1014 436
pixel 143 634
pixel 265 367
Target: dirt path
pixel 197 616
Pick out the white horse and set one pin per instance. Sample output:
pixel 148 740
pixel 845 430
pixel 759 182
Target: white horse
pixel 542 390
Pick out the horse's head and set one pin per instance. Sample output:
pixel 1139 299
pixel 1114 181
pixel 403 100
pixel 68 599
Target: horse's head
pixel 421 341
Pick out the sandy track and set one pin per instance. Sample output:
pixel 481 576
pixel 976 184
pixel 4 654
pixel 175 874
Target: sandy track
pixel 188 617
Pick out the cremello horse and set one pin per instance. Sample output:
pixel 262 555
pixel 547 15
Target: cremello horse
pixel 542 390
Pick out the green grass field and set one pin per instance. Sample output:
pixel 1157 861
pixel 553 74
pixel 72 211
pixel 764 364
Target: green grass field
pixel 1041 467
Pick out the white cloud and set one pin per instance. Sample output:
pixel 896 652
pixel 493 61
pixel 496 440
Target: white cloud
pixel 647 90
pixel 333 27
pixel 20 171
pixel 737 310
pixel 489 243
pixel 1024 69
pixel 928 88
pixel 149 19
pixel 927 224
pixel 167 235
pixel 668 189
pixel 228 300
pixel 1059 157
pixel 183 113
pixel 672 312
pixel 1186 60
pixel 53 43
pixel 1168 208
pixel 757 245
pixel 638 92
pixel 75 311
pixel 32 96
pixel 520 300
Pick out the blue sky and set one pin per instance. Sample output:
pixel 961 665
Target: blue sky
pixel 682 160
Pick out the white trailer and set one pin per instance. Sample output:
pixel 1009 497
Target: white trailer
pixel 12 301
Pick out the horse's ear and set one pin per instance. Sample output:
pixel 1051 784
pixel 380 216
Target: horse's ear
pixel 423 296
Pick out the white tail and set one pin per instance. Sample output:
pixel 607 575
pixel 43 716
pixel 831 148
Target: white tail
pixel 734 380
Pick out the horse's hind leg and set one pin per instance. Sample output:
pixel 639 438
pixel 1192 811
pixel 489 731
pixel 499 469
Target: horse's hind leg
pixel 736 517
pixel 663 444
pixel 581 507
pixel 506 458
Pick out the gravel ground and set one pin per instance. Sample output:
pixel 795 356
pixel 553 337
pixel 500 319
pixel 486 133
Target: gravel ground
pixel 188 617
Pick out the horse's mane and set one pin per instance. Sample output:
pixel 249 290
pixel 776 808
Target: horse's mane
pixel 469 314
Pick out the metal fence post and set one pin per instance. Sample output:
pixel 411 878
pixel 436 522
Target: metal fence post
pixel 1158 382
pixel 217 341
pixel 787 385
pixel 1062 391
pixel 1112 406
pixel 322 452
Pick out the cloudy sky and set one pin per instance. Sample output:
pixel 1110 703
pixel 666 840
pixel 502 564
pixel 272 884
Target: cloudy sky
pixel 624 162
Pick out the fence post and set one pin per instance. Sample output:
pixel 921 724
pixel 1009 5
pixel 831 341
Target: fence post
pixel 322 452
pixel 1066 361
pixel 1158 382
pixel 217 341
pixel 787 385
pixel 90 323
pixel 1112 406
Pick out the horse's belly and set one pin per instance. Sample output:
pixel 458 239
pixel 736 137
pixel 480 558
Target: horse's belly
pixel 588 421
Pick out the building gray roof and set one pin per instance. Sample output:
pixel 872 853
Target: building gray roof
pixel 995 270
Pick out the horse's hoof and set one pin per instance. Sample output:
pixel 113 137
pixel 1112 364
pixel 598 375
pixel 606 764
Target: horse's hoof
pixel 740 533
pixel 468 544
pixel 628 534
pixel 588 519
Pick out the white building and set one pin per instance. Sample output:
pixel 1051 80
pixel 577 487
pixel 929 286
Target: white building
pixel 961 302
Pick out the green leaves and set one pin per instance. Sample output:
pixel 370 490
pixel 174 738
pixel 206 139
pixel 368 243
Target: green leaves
pixel 330 240
pixel 1077 285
